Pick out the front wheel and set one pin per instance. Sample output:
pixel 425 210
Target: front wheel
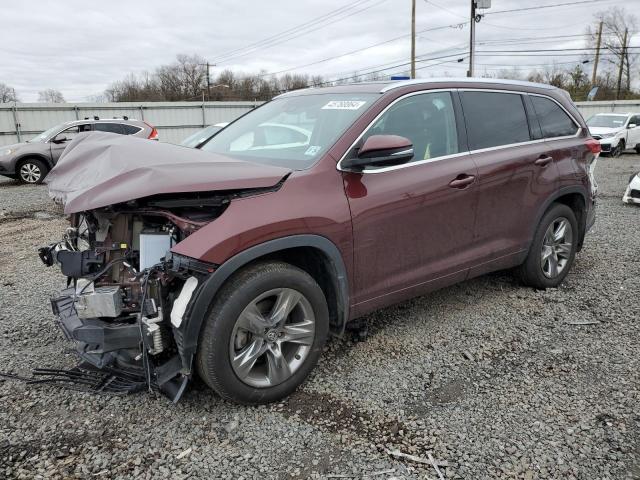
pixel 32 171
pixel 553 249
pixel 264 333
pixel 617 151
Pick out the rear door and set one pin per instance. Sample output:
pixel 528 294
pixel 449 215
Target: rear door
pixel 516 173
pixel 562 140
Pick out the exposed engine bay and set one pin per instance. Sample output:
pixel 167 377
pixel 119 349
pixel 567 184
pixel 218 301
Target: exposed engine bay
pixel 127 295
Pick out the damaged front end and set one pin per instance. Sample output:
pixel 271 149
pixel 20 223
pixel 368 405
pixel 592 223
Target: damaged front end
pixel 127 294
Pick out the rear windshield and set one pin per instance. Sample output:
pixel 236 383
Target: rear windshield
pixel 292 132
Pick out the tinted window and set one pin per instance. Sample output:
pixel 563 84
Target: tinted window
pixel 130 129
pixel 427 120
pixel 494 119
pixel 109 127
pixel 635 120
pixel 554 120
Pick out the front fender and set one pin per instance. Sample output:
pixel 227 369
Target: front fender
pixel 208 290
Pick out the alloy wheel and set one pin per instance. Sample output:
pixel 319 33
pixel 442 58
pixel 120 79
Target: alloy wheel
pixel 30 173
pixel 272 337
pixel 557 246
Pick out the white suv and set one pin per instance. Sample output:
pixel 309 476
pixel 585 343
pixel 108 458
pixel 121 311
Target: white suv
pixel 616 131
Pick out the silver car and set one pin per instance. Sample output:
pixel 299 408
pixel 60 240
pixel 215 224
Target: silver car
pixel 30 161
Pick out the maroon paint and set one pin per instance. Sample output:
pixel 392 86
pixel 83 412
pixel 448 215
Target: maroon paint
pixel 408 231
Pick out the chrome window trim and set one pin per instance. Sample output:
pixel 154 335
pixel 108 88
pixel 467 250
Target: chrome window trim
pixel 466 152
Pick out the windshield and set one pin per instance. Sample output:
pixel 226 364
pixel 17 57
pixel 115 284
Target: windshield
pixel 291 132
pixel 610 121
pixel 47 133
pixel 200 136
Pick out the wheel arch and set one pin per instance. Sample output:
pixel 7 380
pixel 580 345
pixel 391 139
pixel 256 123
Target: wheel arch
pixel 36 156
pixel 315 254
pixel 574 197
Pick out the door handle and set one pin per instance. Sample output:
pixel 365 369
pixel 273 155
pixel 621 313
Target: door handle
pixel 462 181
pixel 543 161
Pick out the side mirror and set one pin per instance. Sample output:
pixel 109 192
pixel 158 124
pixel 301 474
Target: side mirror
pixel 632 125
pixel 59 139
pixel 381 151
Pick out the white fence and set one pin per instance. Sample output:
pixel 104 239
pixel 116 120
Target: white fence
pixel 618 106
pixel 174 120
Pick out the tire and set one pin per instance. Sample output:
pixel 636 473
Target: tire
pixel 538 273
pixel 239 355
pixel 617 151
pixel 637 149
pixel 31 171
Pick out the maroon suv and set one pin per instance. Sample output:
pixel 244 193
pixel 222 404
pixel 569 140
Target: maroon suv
pixel 237 260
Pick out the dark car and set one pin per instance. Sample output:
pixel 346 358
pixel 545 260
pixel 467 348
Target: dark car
pixel 30 161
pixel 239 260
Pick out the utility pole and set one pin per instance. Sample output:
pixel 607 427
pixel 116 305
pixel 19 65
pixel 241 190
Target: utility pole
pixel 208 84
pixel 413 38
pixel 595 61
pixel 472 37
pixel 623 55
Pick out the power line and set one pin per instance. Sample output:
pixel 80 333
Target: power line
pixel 296 28
pixel 357 50
pixel 293 33
pixel 545 6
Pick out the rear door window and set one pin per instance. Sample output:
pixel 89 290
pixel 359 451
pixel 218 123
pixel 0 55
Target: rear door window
pixel 553 119
pixel 494 119
pixel 109 127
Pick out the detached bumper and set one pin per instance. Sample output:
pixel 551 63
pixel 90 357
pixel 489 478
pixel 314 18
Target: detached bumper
pixel 97 342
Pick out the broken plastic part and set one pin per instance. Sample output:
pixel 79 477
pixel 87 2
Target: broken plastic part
pixel 180 305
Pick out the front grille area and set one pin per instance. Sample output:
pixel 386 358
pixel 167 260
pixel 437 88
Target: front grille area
pixel 634 194
pixel 606 147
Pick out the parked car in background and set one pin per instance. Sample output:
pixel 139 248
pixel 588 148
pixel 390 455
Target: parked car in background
pixel 30 161
pixel 314 209
pixel 616 132
pixel 196 139
pixel 632 193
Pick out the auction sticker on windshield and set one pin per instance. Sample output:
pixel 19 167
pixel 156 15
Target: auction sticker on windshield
pixel 344 105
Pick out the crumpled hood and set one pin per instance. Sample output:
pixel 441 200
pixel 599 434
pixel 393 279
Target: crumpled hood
pixel 603 130
pixel 101 169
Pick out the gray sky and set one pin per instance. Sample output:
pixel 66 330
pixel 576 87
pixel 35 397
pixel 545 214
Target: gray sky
pixel 79 47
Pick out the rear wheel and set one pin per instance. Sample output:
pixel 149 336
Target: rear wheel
pixel 553 249
pixel 264 333
pixel 637 149
pixel 32 171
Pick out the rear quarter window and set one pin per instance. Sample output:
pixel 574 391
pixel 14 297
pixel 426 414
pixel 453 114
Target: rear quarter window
pixel 494 119
pixel 108 127
pixel 554 121
pixel 130 129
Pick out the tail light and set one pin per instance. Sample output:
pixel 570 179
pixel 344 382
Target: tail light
pixel 594 146
pixel 154 132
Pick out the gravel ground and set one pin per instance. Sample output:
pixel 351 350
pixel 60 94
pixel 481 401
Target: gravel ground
pixel 491 379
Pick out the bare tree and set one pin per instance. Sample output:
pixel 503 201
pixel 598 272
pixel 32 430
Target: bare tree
pixel 7 94
pixel 615 21
pixel 50 95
